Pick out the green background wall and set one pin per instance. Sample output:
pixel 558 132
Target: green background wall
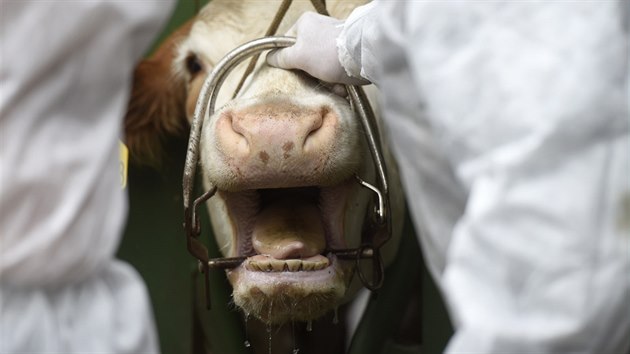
pixel 154 241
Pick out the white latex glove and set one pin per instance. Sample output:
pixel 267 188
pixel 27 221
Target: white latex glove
pixel 315 51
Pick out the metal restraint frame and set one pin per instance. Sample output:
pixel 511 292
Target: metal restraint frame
pixel 379 232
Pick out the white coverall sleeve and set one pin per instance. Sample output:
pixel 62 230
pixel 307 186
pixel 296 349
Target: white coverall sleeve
pixel 352 49
pixel 527 102
pixel 65 72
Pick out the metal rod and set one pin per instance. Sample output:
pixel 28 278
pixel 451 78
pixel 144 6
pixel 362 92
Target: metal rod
pixel 368 122
pixel 195 220
pixel 353 253
pixel 345 254
pixel 380 209
pixel 224 263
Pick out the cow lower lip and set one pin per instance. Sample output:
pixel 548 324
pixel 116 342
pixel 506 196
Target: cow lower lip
pixel 278 297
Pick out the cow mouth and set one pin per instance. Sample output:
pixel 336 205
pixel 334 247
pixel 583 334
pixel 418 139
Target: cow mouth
pixel 288 230
pixel 287 236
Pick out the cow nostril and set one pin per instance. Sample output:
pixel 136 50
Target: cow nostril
pixel 236 125
pixel 231 132
pixel 317 129
pixel 317 122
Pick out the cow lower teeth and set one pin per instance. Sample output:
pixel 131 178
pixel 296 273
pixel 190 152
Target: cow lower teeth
pixel 294 265
pixel 289 265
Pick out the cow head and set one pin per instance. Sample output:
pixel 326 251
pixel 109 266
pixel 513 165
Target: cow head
pixel 283 154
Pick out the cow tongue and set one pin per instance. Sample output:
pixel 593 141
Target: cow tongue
pixel 289 228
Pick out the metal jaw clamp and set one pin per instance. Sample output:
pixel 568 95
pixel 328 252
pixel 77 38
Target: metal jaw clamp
pixel 381 226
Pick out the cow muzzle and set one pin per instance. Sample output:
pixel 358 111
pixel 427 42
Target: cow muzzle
pixel 380 226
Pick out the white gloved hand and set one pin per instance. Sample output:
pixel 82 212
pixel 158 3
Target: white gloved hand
pixel 315 50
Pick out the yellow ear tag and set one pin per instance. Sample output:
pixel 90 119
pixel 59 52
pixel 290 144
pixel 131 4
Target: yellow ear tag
pixel 124 161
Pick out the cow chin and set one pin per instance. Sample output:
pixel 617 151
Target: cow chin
pixel 280 297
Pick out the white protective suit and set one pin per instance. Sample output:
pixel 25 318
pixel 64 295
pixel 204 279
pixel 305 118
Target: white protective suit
pixel 510 124
pixel 65 71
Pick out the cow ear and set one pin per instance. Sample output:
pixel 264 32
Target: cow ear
pixel 156 108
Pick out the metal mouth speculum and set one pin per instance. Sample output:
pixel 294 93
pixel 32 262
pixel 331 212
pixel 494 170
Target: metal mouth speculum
pixel 381 228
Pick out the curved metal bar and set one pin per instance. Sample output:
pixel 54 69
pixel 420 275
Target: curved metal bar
pixel 195 220
pixel 207 99
pixel 380 209
pixel 368 121
pixel 378 270
pixel 205 105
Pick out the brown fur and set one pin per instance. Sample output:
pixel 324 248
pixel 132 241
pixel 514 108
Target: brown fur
pixel 157 101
